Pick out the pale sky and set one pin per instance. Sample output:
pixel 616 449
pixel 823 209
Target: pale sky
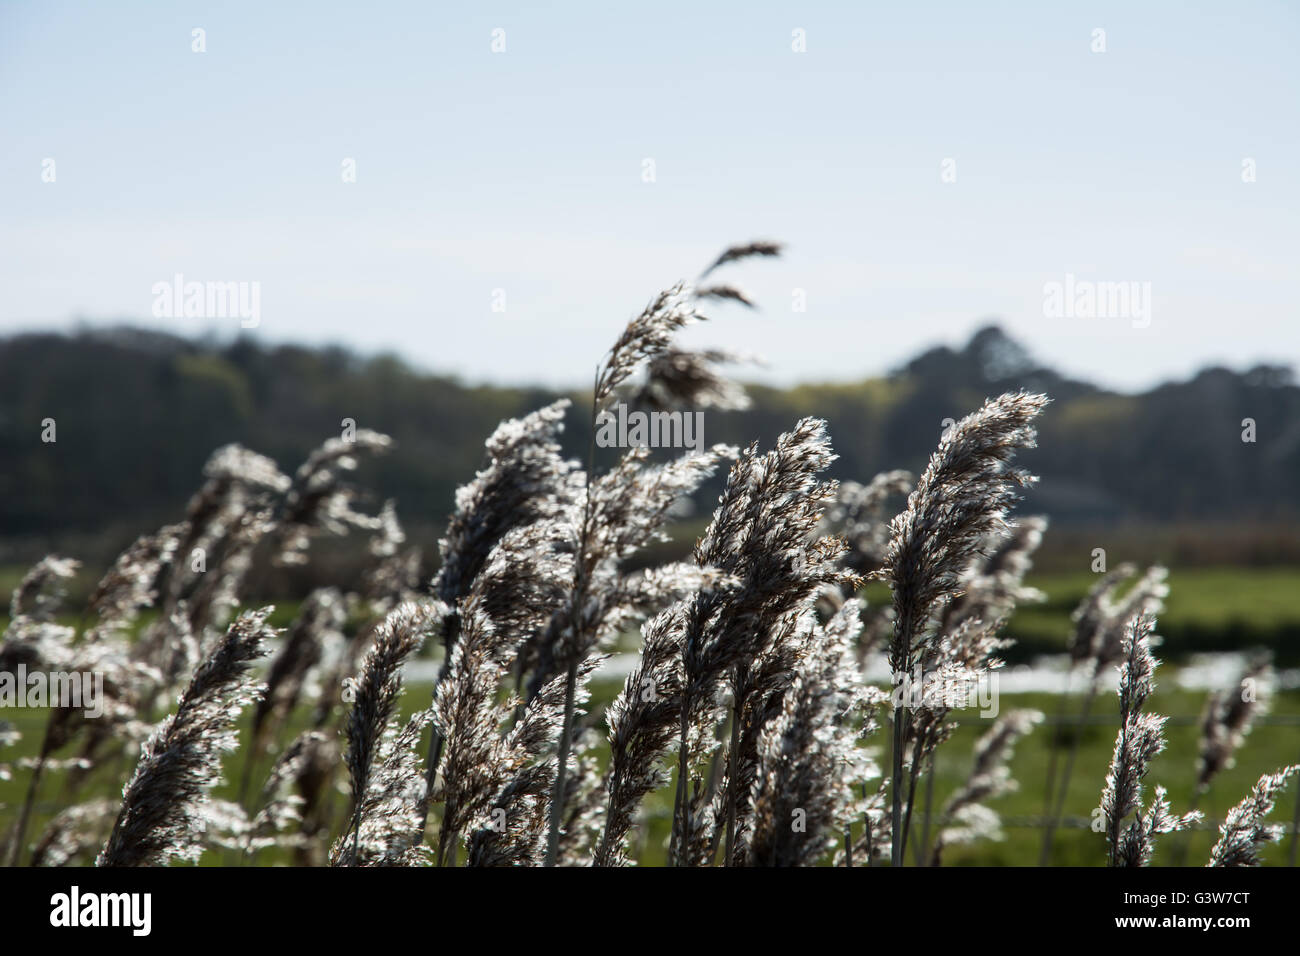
pixel 522 170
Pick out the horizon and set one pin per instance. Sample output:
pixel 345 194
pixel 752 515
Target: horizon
pixel 928 168
pixel 217 338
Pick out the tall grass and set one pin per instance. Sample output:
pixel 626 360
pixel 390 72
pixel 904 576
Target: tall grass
pixel 747 710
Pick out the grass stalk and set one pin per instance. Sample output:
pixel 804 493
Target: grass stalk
pixel 1054 819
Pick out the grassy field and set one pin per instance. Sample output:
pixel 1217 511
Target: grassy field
pixel 1207 609
pixel 1227 603
pixel 1270 746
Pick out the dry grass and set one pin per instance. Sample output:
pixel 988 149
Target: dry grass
pixel 748 704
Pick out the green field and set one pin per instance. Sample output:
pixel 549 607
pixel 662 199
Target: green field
pixel 1207 609
pixel 1268 748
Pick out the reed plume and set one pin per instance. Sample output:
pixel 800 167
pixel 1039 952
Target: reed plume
pixel 1141 738
pixel 961 498
pixel 646 338
pixel 811 769
pixel 517 781
pixel 317 633
pixel 759 542
pixel 1225 722
pixel 388 785
pixel 643 723
pixel 1244 831
pixel 514 509
pixel 163 812
pixel 1228 718
pixel 41 591
pixel 746 250
pixel 468 719
pixel 858 515
pixel 75 834
pixel 1097 643
pixel 524 480
pixel 676 378
pixel 320 499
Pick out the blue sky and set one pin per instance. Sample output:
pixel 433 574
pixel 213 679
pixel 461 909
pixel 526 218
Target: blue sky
pixel 522 171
